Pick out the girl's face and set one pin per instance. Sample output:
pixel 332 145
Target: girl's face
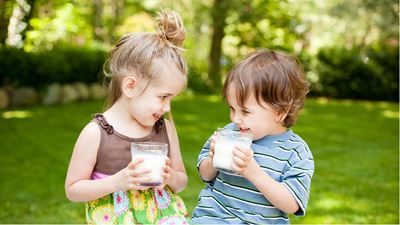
pixel 259 120
pixel 149 105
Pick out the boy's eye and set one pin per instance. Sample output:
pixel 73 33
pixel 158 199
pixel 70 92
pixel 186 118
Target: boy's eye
pixel 245 112
pixel 231 108
pixel 163 97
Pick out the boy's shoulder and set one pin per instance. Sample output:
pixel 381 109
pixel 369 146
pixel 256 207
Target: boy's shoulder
pixel 300 146
pixel 286 142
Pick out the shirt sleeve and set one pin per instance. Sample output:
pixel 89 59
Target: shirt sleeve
pixel 297 178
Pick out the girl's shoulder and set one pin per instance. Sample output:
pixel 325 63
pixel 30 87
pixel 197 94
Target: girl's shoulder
pixel 91 131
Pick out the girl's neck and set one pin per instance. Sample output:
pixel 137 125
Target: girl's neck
pixel 118 116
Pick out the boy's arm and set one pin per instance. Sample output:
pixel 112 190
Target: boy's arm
pixel 206 169
pixel 291 194
pixel 274 191
pixel 178 180
pixel 205 161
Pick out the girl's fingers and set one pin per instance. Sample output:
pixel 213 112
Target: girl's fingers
pixel 139 172
pixel 135 162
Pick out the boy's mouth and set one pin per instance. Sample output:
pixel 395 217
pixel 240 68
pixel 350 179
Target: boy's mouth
pixel 244 130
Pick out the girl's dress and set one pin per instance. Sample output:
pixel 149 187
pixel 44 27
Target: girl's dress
pixel 132 206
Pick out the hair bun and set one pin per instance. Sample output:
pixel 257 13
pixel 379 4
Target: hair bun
pixel 170 28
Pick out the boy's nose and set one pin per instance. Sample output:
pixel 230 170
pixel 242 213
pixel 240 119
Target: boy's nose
pixel 236 119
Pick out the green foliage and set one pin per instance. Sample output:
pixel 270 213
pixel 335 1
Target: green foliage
pixel 62 65
pixel 196 82
pixel 356 178
pixel 356 74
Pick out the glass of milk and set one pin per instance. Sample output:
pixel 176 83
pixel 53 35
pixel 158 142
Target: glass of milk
pixel 223 150
pixel 154 155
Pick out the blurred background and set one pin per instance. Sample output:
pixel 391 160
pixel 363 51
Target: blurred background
pixel 51 57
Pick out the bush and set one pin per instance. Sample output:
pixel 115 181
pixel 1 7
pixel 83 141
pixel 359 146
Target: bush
pixel 63 65
pixel 371 74
pixel 197 83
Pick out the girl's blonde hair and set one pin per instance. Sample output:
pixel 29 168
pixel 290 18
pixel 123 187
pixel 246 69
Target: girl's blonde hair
pixel 273 77
pixel 135 53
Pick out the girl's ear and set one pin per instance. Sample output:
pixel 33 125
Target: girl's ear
pixel 128 85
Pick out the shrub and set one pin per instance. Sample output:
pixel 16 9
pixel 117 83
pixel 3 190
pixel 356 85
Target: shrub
pixel 63 65
pixel 369 74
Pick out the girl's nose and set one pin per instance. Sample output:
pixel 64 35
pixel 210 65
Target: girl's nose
pixel 167 107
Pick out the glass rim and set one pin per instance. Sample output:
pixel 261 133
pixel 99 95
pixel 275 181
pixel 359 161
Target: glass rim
pixel 149 143
pixel 234 132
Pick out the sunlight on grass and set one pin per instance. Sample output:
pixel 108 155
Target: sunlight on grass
pixel 16 114
pixel 336 202
pixel 390 114
pixel 322 101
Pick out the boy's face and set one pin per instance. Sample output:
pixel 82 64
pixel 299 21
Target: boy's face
pixel 259 120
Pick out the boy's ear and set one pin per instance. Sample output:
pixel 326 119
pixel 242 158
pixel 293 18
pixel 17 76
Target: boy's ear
pixel 281 116
pixel 128 85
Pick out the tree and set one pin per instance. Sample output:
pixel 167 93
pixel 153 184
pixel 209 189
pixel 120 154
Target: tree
pixel 219 12
pixel 5 14
pixel 19 21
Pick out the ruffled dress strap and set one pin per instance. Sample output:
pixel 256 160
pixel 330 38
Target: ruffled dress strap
pixel 101 120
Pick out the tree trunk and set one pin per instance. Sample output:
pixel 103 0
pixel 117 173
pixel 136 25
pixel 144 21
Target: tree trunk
pixel 218 14
pixel 117 7
pixel 4 20
pixel 98 31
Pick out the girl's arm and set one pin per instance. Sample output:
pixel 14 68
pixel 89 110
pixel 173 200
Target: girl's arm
pixel 78 185
pixel 178 179
pixel 274 191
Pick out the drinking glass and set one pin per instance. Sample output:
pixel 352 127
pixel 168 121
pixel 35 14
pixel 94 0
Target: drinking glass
pixel 223 150
pixel 154 155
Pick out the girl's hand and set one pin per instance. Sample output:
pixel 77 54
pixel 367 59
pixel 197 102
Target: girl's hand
pixel 243 161
pixel 166 174
pixel 131 176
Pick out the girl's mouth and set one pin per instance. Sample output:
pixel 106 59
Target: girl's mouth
pixel 156 117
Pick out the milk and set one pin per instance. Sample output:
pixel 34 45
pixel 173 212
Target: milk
pixel 153 162
pixel 224 146
pixel 154 155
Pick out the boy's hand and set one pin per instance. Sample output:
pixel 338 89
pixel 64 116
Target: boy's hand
pixel 166 174
pixel 212 146
pixel 131 176
pixel 243 161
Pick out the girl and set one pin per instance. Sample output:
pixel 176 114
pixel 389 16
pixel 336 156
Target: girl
pixel 264 92
pixel 146 72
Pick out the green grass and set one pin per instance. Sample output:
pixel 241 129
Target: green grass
pixel 355 146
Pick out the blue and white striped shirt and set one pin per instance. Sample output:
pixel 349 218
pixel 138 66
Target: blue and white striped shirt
pixel 230 198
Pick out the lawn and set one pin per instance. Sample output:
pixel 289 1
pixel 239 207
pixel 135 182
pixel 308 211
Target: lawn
pixel 355 146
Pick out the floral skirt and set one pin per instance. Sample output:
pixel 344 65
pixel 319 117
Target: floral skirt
pixel 137 207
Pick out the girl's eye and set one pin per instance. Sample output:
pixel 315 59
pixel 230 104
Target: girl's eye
pixel 163 97
pixel 245 112
pixel 231 108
